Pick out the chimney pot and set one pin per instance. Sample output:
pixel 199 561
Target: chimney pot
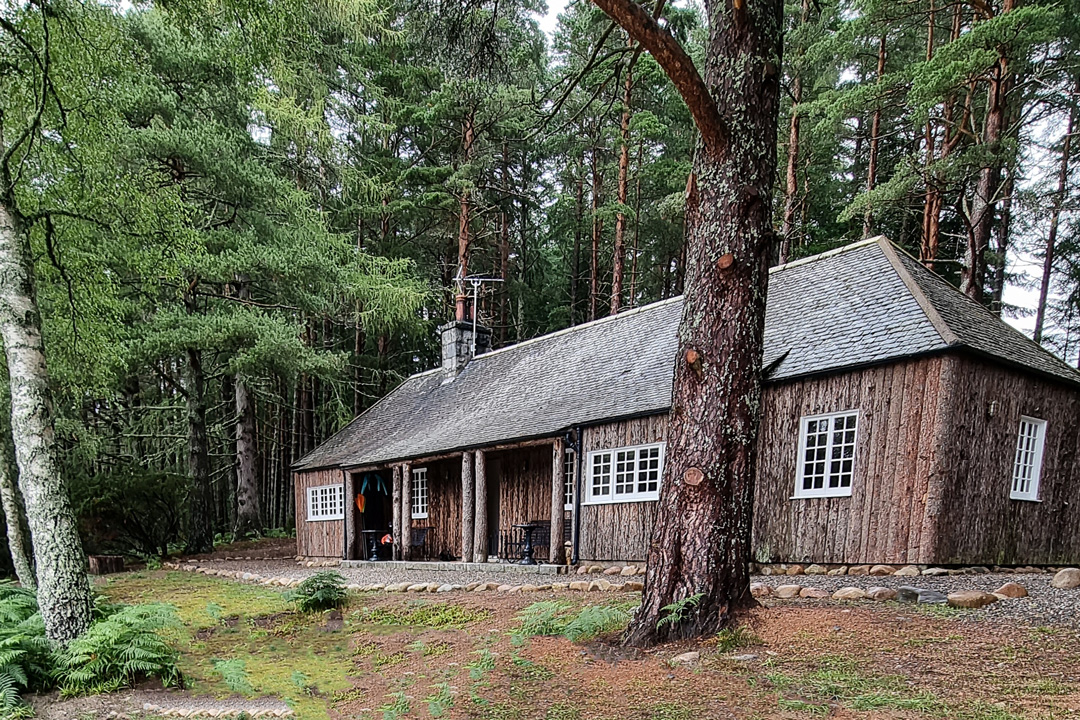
pixel 457 342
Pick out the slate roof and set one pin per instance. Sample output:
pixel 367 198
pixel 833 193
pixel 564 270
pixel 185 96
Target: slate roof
pixel 863 304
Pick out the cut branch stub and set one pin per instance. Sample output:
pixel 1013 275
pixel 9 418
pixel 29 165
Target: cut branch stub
pixel 725 261
pixel 693 359
pixel 693 476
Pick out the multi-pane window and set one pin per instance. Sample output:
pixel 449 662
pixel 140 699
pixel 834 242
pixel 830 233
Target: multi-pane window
pixel 326 502
pixel 826 461
pixel 1027 466
pixel 569 466
pixel 419 493
pixel 626 474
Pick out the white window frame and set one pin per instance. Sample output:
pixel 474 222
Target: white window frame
pixel 1025 451
pixel 609 458
pixel 326 502
pixel 800 463
pixel 569 466
pixel 419 495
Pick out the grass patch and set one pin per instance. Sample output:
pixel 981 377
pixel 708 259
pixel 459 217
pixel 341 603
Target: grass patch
pixel 381 661
pixel 736 638
pixel 437 616
pixel 673 711
pixel 839 680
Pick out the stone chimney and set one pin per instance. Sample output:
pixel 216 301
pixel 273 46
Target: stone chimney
pixel 457 345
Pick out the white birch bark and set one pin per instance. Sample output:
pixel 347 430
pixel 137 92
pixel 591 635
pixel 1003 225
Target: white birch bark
pixel 63 589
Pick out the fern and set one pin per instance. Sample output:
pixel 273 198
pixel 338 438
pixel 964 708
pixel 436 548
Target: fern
pixel 596 620
pixel 548 617
pixel 234 673
pixel 554 617
pixel 677 611
pixel 321 591
pixel 119 650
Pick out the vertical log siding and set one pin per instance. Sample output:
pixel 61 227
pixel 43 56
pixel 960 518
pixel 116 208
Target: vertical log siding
pixel 322 538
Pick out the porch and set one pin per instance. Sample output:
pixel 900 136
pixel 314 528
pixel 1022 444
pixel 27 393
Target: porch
pixel 476 506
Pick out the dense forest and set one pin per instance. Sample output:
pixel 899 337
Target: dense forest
pixel 246 219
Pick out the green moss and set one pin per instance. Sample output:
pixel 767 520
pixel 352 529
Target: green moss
pixel 438 616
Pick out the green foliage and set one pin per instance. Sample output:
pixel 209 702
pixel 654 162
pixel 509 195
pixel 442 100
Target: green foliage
pixel 119 650
pixel 234 674
pixel 440 701
pixel 679 610
pixel 554 617
pixel 321 591
pixel 736 638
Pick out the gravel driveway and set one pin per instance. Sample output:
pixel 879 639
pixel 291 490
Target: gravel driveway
pixel 1045 605
pixel 370 574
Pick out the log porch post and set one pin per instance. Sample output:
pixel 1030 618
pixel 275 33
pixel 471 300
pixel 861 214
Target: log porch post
pixel 406 510
pixel 395 531
pixel 558 465
pixel 480 528
pixel 468 506
pixel 350 516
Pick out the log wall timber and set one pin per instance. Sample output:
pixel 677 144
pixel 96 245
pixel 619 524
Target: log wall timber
pixel 978 522
pixel 885 518
pixel 351 525
pixel 524 484
pixel 397 511
pixel 480 528
pixel 618 531
pixel 444 510
pixel 321 538
pixel 468 505
pixel 558 468
pixel 406 510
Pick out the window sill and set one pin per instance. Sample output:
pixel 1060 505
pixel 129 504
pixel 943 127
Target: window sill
pixel 326 519
pixel 1024 499
pixel 820 497
pixel 621 501
pixel 420 517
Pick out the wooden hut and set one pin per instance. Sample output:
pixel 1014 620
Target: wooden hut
pixel 902 423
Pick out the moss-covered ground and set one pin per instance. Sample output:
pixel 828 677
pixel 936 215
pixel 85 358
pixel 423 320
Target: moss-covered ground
pixel 465 655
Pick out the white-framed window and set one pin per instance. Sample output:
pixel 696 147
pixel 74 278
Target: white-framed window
pixel 1027 465
pixel 419 493
pixel 569 463
pixel 628 474
pixel 826 461
pixel 325 502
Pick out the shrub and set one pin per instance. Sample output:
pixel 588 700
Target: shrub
pixel 321 591
pixel 119 650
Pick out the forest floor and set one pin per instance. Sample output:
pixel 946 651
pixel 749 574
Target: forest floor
pixel 456 655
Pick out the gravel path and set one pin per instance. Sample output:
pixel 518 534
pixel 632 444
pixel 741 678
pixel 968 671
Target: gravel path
pixel 1045 605
pixel 379 573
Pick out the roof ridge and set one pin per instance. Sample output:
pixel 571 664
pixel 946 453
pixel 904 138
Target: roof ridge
pixel 948 336
pixel 582 326
pixel 827 254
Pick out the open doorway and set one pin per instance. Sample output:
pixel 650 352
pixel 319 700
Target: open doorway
pixel 374 509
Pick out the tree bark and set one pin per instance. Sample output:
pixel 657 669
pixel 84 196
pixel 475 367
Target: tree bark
pixel 623 188
pixel 984 203
pixel 468 506
pixel 597 229
pixel 575 267
pixel 248 509
pixel 62 588
pixel 406 511
pixel 201 509
pixel 700 549
pixel 1055 218
pixel 464 217
pixel 791 184
pixel 875 139
pixel 13 513
pixel 558 493
pixel 396 515
pixel 480 525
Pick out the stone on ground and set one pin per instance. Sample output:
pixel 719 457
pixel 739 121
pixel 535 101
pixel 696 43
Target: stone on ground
pixel 786 592
pixel 859 570
pixel 838 571
pixel 1066 579
pixel 815 570
pixel 881 594
pixel 908 571
pixel 935 572
pixel 882 570
pixel 814 593
pixel 972 599
pixel 628 571
pixel 687 658
pixel 634 586
pixel 795 570
pixel 613 571
pixel 1012 590
pixel 581 585
pixel 760 590
pixel 849 593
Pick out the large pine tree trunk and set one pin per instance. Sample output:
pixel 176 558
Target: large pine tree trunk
pixel 575 262
pixel 875 141
pixel 1055 218
pixel 619 259
pixel 700 547
pixel 248 510
pixel 201 506
pixel 597 229
pixel 791 178
pixel 62 588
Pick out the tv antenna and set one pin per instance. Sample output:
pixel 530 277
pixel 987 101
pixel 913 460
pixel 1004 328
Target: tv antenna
pixel 476 281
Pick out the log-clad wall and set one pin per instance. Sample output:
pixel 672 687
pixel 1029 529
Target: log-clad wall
pixel 978 522
pixel 444 510
pixel 322 538
pixel 522 478
pixel 618 531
